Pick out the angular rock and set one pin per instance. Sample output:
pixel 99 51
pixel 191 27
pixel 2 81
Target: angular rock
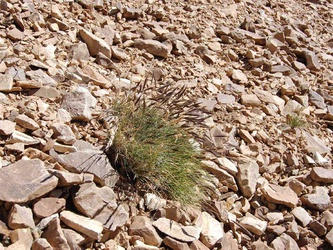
pixel 177 231
pixel 329 237
pixel 312 62
pixel 239 76
pixel 6 82
pixel 28 180
pixel 63 133
pixel 47 206
pixel 89 161
pixel 198 245
pixel 7 127
pixel 280 195
pixel 55 236
pixel 153 47
pixel 26 122
pixel 229 242
pixel 89 227
pixel 21 238
pixel 40 76
pixel 318 200
pixel 284 242
pixel 20 217
pixel 79 103
pixel 250 100
pixel 247 177
pixel 80 51
pixel 302 216
pixel 153 202
pixel 223 176
pixel 41 244
pixel 70 179
pixel 95 44
pixel 90 200
pixel 141 225
pixel 19 137
pixel 254 225
pixel 318 228
pixel 211 229
pixel 321 174
pixel 175 244
pixel 112 221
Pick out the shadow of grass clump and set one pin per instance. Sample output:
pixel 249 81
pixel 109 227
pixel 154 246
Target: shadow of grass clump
pixel 155 153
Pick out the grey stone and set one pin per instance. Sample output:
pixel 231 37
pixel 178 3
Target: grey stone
pixel 28 180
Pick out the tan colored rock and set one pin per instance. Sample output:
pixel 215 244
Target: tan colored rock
pixel 28 180
pixel 74 239
pixel 47 92
pixel 6 82
pixel 153 47
pixel 284 242
pixel 176 230
pixel 254 225
pixel 79 103
pixel 45 207
pixel 247 177
pixel 95 44
pixel 63 133
pixel 19 137
pixel 318 200
pixel 141 225
pixel 280 195
pixel 90 199
pixel 329 237
pixel 302 216
pixel 229 242
pixel 112 221
pixel 239 76
pixel 69 179
pixel 223 176
pixel 89 227
pixel 211 229
pixel 55 236
pixel 21 238
pixel 312 62
pixel 7 127
pixel 321 174
pixel 41 244
pixel 26 122
pixel 175 244
pixel 153 202
pixel 250 100
pixel 20 217
pixel 198 245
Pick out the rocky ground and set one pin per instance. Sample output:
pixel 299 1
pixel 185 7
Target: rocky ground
pixel 263 69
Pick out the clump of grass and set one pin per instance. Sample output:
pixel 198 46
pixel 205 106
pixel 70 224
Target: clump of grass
pixel 295 121
pixel 155 153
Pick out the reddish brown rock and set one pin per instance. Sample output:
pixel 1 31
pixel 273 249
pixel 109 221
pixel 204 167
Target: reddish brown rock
pixel 45 207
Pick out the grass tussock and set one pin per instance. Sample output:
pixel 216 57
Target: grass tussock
pixel 155 153
pixel 295 121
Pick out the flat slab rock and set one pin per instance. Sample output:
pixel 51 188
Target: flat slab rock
pixel 28 180
pixel 322 175
pixel 280 195
pixel 177 231
pixel 89 161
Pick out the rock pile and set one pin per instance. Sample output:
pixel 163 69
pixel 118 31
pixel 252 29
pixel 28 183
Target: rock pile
pixel 262 68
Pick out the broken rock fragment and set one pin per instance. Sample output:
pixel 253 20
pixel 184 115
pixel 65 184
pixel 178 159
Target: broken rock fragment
pixel 95 44
pixel 153 47
pixel 28 180
pixel 318 200
pixel 280 195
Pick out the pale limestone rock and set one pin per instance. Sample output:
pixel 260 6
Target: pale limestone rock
pixel 153 47
pixel 41 244
pixel 80 51
pixel 19 237
pixel 20 217
pixel 280 195
pixel 254 225
pixel 26 122
pixel 223 176
pixel 47 206
pixel 321 174
pixel 90 199
pixel 69 179
pixel 228 165
pixel 89 227
pixel 89 161
pixel 95 44
pixel 61 148
pixel 79 103
pixel 247 177
pixel 250 100
pixel 6 82
pixel 318 200
pixel 55 236
pixel 175 244
pixel 302 216
pixel 28 180
pixel 153 202
pixel 19 137
pixel 239 76
pixel 176 230
pixel 284 242
pixel 142 226
pixel 63 133
pixel 7 127
pixel 329 237
pixel 211 229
